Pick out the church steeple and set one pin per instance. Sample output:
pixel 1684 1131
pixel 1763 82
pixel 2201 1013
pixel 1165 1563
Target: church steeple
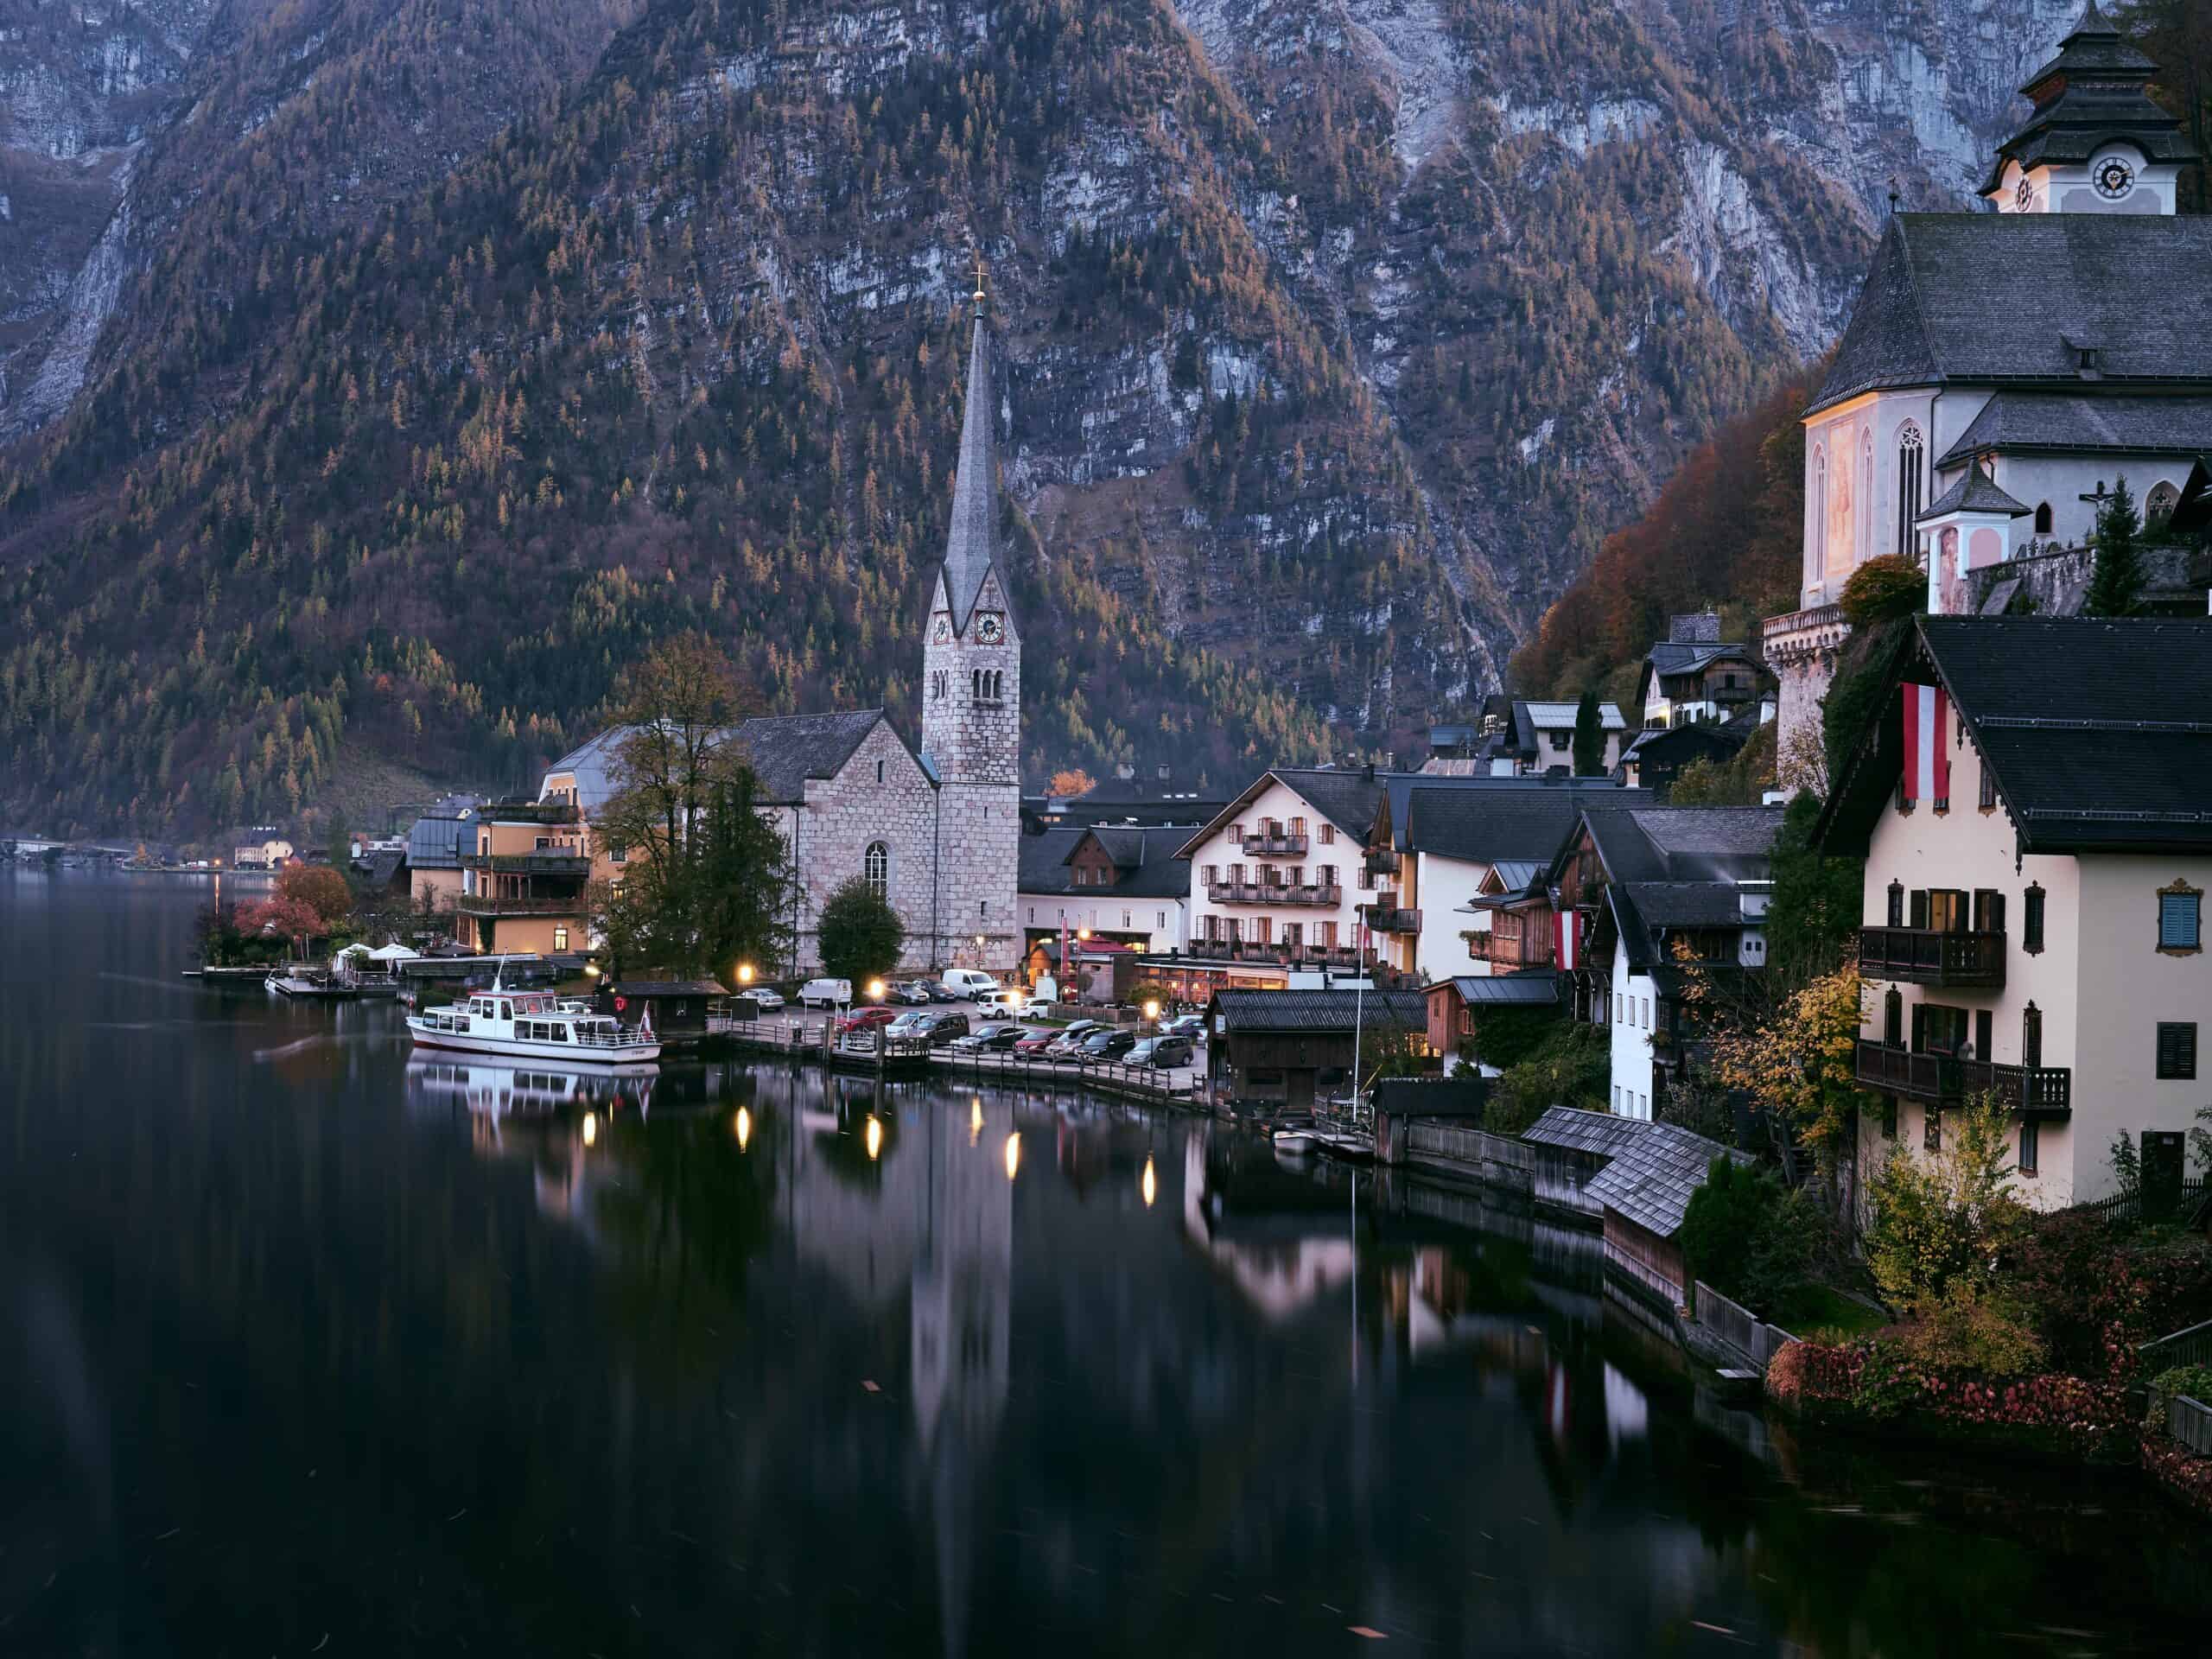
pixel 2096 141
pixel 971 549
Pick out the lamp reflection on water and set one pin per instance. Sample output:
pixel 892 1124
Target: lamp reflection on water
pixel 974 1119
pixel 591 1128
pixel 1149 1184
pixel 743 1127
pixel 1012 1153
pixel 874 1136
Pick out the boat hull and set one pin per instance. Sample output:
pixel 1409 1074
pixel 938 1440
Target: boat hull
pixel 528 1048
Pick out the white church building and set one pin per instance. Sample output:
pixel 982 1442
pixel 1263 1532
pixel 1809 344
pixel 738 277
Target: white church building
pixel 2002 369
pixel 936 829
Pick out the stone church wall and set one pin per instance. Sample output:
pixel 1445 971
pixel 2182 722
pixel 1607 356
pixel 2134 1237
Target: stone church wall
pixel 843 815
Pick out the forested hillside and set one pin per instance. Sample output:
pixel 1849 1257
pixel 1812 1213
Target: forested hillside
pixel 443 357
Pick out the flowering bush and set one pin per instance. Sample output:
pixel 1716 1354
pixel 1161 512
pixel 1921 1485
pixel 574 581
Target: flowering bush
pixel 2187 1474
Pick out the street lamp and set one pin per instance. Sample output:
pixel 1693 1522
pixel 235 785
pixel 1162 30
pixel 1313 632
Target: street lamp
pixel 876 990
pixel 745 973
pixel 1152 1010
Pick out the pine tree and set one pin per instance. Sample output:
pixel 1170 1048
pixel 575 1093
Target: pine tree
pixel 2116 584
pixel 1589 737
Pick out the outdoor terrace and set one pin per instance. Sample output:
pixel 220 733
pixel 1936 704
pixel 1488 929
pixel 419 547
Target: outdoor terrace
pixel 2040 1091
pixel 1922 956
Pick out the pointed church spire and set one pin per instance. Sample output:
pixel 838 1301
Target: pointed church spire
pixel 972 546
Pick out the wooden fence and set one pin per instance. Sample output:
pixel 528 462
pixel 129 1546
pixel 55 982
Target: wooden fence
pixel 2191 1345
pixel 2126 1209
pixel 1495 1158
pixel 2190 1421
pixel 1738 1326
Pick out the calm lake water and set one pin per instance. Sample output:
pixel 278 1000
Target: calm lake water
pixel 310 1347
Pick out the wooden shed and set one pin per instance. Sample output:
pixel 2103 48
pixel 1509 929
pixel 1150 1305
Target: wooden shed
pixel 679 1006
pixel 1284 1050
pixel 1644 1191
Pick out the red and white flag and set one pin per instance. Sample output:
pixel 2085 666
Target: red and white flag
pixel 1927 759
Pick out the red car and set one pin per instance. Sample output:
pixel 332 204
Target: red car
pixel 1032 1042
pixel 862 1019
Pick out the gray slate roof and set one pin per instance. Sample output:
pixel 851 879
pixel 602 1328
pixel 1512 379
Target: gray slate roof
pixel 1684 843
pixel 435 840
pixel 2004 299
pixel 1573 1130
pixel 592 763
pixel 2098 730
pixel 1519 819
pixel 1535 989
pixel 1347 797
pixel 2062 422
pixel 1652 1176
pixel 2091 93
pixel 1145 862
pixel 1972 492
pixel 785 750
pixel 971 545
pixel 1672 656
pixel 1319 1011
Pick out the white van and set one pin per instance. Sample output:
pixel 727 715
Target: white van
pixel 825 993
pixel 969 982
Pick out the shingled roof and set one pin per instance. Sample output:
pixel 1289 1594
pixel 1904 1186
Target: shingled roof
pixel 971 546
pixel 2010 299
pixel 1573 1130
pixel 1974 492
pixel 2092 92
pixel 1652 1176
pixel 2098 730
pixel 2061 422
pixel 1532 987
pixel 1515 819
pixel 1146 861
pixel 785 750
pixel 1319 1011
pixel 1345 796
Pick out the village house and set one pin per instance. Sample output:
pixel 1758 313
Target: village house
pixel 2032 803
pixel 1695 677
pixel 435 843
pixel 1458 1006
pixel 1654 758
pixel 524 869
pixel 2053 345
pixel 935 830
pixel 1278 876
pixel 1436 840
pixel 1128 886
pixel 1283 1051
pixel 269 853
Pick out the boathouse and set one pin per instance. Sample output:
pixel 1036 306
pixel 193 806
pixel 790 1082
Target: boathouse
pixel 1284 1050
pixel 1643 1193
pixel 1572 1148
pixel 679 1006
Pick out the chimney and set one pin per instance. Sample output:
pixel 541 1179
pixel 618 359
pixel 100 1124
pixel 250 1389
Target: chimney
pixel 1696 628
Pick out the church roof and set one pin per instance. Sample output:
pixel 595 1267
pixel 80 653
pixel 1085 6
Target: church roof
pixel 2018 423
pixel 971 547
pixel 2092 93
pixel 2096 728
pixel 785 750
pixel 2014 299
pixel 1974 492
pixel 1146 861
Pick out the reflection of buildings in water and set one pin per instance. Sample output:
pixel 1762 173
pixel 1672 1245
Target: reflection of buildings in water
pixel 1279 1275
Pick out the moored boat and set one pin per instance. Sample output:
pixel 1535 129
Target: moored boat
pixel 533 1026
pixel 1296 1142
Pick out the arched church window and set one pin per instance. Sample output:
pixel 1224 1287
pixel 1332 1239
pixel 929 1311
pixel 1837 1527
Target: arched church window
pixel 1911 455
pixel 1817 536
pixel 976 684
pixel 875 865
pixel 2161 502
pixel 2043 518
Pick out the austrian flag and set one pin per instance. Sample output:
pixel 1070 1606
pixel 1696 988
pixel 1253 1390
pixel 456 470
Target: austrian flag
pixel 1927 759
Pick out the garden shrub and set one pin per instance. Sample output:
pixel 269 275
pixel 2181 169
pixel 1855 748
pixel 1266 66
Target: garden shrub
pixel 1571 1067
pixel 1884 590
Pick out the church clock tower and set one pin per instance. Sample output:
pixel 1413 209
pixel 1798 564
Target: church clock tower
pixel 971 700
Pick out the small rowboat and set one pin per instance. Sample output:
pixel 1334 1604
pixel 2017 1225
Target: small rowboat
pixel 1296 1142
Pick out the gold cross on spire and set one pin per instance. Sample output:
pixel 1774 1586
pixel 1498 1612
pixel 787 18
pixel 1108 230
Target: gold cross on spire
pixel 979 279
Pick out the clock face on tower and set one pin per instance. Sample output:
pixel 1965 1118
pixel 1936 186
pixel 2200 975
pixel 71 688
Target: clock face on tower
pixel 989 629
pixel 2113 178
pixel 941 631
pixel 2025 197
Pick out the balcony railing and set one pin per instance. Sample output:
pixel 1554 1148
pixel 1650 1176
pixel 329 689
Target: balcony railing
pixel 530 812
pixel 1382 863
pixel 1922 956
pixel 1268 893
pixel 1392 918
pixel 2041 1091
pixel 494 903
pixel 1285 955
pixel 1279 844
pixel 544 863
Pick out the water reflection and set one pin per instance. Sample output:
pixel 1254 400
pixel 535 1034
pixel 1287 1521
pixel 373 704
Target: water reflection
pixel 303 1336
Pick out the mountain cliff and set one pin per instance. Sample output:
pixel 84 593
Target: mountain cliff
pixel 433 359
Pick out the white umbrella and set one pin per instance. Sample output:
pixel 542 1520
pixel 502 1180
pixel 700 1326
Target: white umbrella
pixel 394 952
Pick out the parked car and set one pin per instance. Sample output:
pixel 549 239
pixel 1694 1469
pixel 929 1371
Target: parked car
pixel 1189 1026
pixel 968 984
pixel 913 1023
pixel 1070 1039
pixel 1031 1044
pixel 942 1028
pixel 1108 1045
pixel 762 999
pixel 862 1019
pixel 992 1034
pixel 915 993
pixel 825 993
pixel 1004 999
pixel 1163 1051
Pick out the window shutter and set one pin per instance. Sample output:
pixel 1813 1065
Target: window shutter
pixel 1919 908
pixel 2177 920
pixel 2178 1050
pixel 1920 1027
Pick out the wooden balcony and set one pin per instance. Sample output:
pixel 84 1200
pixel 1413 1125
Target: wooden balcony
pixel 1268 893
pixel 1392 918
pixel 1382 863
pixel 535 863
pixel 1275 843
pixel 1922 956
pixel 1284 956
pixel 501 904
pixel 2038 1092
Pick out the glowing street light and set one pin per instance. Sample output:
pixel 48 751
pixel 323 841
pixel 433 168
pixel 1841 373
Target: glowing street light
pixel 745 973
pixel 1012 1153
pixel 1152 1009
pixel 876 990
pixel 744 1129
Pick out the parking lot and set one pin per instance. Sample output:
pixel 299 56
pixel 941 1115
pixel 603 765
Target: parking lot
pixel 794 1026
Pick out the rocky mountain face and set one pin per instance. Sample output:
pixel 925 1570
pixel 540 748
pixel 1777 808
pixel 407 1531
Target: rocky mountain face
pixel 433 359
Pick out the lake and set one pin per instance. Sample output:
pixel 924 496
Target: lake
pixel 310 1347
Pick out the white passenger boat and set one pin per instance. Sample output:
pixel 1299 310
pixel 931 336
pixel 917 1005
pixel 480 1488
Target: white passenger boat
pixel 534 1025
